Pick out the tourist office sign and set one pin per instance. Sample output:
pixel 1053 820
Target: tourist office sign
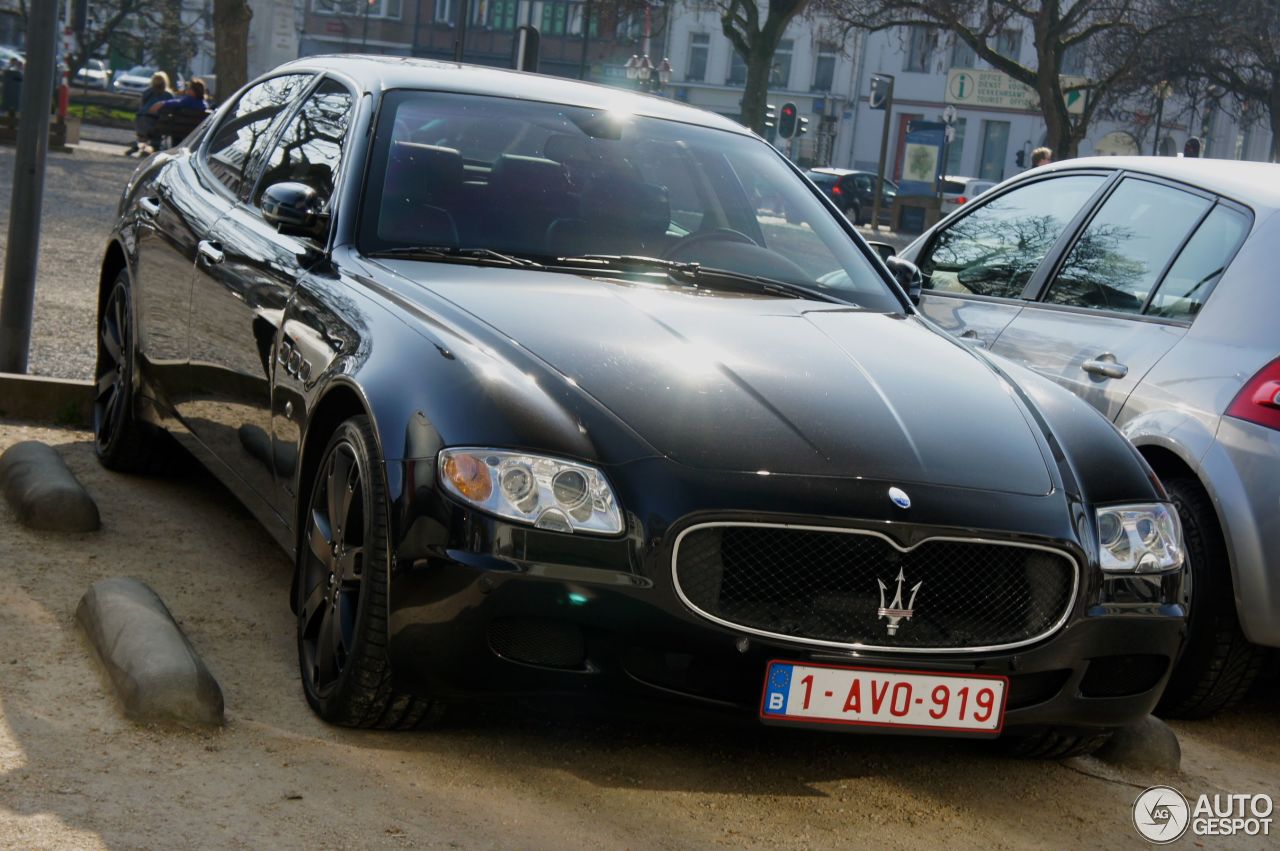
pixel 996 89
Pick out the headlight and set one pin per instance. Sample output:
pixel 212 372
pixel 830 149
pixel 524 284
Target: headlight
pixel 1139 538
pixel 548 493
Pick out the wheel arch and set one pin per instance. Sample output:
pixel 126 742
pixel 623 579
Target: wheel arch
pixel 113 262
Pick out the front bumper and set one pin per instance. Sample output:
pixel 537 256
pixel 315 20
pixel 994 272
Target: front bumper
pixel 482 609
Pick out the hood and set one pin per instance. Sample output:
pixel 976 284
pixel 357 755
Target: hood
pixel 744 383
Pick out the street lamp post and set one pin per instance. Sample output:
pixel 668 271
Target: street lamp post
pixel 1163 90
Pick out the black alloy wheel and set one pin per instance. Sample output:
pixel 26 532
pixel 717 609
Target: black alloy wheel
pixel 342 590
pixel 114 369
pixel 121 441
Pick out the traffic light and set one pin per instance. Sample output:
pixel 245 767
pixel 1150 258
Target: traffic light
pixel 770 115
pixel 1020 158
pixel 787 120
pixel 803 126
pixel 1191 148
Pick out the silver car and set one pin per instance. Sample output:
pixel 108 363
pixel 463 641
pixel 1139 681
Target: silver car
pixel 1148 286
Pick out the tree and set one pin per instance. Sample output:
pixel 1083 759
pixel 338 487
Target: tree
pixel 1243 58
pixel 231 44
pixel 112 18
pixel 756 41
pixel 1113 34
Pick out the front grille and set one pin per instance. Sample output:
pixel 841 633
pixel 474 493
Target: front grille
pixel 824 586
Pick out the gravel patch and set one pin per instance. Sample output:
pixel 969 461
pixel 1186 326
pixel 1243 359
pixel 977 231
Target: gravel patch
pixel 82 190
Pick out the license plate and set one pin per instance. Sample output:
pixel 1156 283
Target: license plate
pixel 882 697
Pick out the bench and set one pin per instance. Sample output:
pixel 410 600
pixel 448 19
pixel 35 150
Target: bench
pixel 174 125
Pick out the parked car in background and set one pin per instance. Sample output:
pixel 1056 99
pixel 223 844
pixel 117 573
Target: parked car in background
pixel 1147 286
pixel 854 192
pixel 135 80
pixel 7 53
pixel 544 398
pixel 961 190
pixel 94 75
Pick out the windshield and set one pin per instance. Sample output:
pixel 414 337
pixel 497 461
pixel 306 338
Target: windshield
pixel 545 181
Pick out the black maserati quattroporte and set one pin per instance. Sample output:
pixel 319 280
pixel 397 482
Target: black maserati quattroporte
pixel 553 389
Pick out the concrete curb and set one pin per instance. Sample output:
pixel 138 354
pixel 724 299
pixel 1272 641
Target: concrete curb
pixel 43 491
pixel 60 401
pixel 1148 743
pixel 157 674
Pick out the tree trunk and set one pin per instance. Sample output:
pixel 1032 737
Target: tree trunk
pixel 756 94
pixel 231 45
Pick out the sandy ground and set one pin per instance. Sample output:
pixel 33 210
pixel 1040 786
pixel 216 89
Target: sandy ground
pixel 75 774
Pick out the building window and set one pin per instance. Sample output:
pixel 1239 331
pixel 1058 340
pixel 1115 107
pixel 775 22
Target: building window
pixel 737 69
pixel 565 19
pixel 1073 60
pixel 492 14
pixel 920 44
pixel 443 13
pixel 780 71
pixel 962 55
pixel 630 26
pixel 955 149
pixel 358 8
pixel 824 68
pixel 1009 44
pixel 699 47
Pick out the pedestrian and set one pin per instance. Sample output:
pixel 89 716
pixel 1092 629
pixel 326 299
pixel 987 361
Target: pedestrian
pixel 1041 156
pixel 192 97
pixel 145 120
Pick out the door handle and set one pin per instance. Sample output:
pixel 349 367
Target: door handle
pixel 149 206
pixel 210 252
pixel 1105 365
pixel 971 337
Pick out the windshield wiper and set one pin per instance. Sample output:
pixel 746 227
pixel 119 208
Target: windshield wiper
pixel 614 261
pixel 458 255
pixel 696 275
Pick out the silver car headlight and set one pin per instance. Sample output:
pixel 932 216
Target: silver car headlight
pixel 548 493
pixel 1143 538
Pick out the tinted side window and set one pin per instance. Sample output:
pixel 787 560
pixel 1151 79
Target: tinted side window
pixel 240 138
pixel 310 148
pixel 994 250
pixel 1203 260
pixel 1121 254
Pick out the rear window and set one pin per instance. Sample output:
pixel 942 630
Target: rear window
pixel 954 187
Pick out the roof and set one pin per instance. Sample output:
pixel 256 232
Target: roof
pixel 380 73
pixel 1254 184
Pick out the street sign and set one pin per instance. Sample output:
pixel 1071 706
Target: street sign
pixel 881 90
pixel 978 89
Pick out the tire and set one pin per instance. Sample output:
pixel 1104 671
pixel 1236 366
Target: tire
pixel 1054 743
pixel 343 568
pixel 854 214
pixel 1218 664
pixel 121 441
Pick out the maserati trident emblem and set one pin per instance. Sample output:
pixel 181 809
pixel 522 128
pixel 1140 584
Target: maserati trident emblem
pixel 899 497
pixel 894 611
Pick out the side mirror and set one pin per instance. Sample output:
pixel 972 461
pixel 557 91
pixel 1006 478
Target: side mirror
pixel 294 209
pixel 908 277
pixel 884 249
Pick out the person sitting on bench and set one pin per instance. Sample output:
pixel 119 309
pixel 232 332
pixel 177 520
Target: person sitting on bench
pixel 176 117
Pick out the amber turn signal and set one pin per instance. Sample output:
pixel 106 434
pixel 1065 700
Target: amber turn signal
pixel 469 475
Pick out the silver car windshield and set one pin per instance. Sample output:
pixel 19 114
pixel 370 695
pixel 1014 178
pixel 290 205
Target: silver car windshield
pixel 543 181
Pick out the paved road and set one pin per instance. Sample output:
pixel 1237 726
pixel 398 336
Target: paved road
pixel 82 189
